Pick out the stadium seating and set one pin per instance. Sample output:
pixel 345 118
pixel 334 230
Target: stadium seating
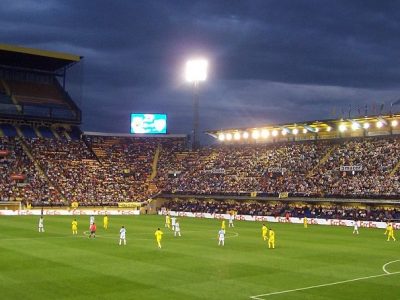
pixel 36 93
pixel 102 170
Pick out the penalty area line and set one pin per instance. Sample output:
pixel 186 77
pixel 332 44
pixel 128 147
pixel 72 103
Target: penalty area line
pixel 262 296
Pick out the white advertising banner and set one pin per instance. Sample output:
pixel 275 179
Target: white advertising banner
pixel 312 221
pixel 71 212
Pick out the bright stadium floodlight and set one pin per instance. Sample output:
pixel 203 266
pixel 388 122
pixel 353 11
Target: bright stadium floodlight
pixel 236 136
pixel 229 136
pixel 264 133
pixel 245 135
pixel 316 129
pixel 342 127
pixel 355 126
pixel 221 137
pixel 379 124
pixel 329 128
pixel 305 130
pixel 366 125
pixel 295 131
pixel 255 134
pixel 195 72
pixel 394 123
pixel 274 132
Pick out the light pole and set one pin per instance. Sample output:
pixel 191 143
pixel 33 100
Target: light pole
pixel 196 71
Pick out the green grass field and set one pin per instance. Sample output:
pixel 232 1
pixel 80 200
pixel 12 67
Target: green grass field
pixel 57 265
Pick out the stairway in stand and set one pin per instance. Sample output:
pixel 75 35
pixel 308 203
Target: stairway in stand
pixel 322 160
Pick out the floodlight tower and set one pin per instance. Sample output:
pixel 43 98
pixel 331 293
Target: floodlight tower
pixel 196 71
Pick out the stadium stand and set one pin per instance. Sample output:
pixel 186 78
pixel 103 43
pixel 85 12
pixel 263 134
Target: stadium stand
pixel 46 160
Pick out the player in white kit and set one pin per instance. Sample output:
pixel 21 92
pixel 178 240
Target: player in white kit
pixel 355 228
pixel 173 222
pixel 177 227
pixel 41 224
pixel 221 237
pixel 91 220
pixel 122 235
pixel 231 218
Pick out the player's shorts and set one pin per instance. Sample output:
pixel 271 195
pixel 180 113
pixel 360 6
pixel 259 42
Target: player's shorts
pixel 92 232
pixel 122 237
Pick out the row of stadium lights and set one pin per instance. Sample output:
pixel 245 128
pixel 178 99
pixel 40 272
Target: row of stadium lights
pixel 256 134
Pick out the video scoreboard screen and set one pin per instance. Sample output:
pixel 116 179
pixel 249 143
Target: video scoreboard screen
pixel 149 123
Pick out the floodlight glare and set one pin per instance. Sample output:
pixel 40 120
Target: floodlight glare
pixel 196 70
pixel 366 125
pixel 229 136
pixel 316 129
pixel 329 128
pixel 394 123
pixel 255 134
pixel 305 130
pixel 284 132
pixel 355 126
pixel 221 137
pixel 245 135
pixel 264 133
pixel 379 124
pixel 274 132
pixel 295 131
pixel 342 128
pixel 236 136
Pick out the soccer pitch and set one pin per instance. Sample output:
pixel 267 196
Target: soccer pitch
pixel 320 262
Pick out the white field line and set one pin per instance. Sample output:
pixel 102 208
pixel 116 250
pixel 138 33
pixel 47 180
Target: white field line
pixel 385 265
pixel 262 296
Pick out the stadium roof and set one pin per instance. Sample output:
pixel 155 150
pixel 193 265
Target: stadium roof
pixel 332 128
pixel 29 58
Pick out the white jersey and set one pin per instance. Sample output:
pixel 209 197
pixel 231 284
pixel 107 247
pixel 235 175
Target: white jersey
pixel 173 221
pixel 41 222
pixel 177 227
pixel 221 235
pixel 355 226
pixel 230 219
pixel 122 233
pixel 91 220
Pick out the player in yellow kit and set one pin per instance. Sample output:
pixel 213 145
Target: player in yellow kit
pixel 74 227
pixel 167 221
pixel 158 235
pixel 223 226
pixel 390 232
pixel 105 222
pixel 305 222
pixel 264 232
pixel 271 239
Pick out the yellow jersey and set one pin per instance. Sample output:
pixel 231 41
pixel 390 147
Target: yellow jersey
pixel 74 224
pixel 223 224
pixel 271 235
pixel 158 234
pixel 264 230
pixel 105 220
pixel 167 219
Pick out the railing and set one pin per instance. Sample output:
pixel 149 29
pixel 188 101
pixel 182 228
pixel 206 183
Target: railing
pixel 46 112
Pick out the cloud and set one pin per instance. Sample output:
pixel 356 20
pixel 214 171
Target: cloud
pixel 270 61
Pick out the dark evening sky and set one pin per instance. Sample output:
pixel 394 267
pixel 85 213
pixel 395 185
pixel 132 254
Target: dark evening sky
pixel 270 61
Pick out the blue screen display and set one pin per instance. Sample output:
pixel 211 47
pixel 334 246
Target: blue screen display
pixel 149 123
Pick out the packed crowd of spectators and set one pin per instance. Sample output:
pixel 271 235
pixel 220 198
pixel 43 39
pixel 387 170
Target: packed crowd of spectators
pixel 99 170
pixel 19 179
pixel 280 209
pixel 310 169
